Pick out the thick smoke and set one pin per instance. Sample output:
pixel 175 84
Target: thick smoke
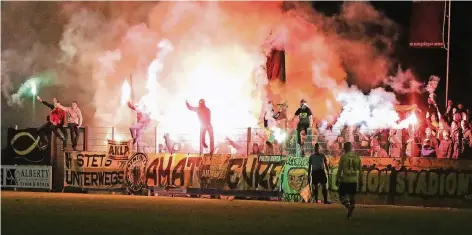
pixel 217 54
pixel 18 70
pixel 371 112
pixel 404 82
pixel 356 44
pixel 368 38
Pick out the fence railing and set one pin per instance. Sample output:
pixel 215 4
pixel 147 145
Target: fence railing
pixel 246 141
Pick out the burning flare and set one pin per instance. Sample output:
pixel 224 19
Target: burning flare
pixel 34 89
pixel 410 120
pixel 279 134
pixel 119 137
pixel 125 92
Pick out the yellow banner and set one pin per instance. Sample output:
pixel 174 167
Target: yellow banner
pixel 118 150
pixel 93 170
pixel 171 170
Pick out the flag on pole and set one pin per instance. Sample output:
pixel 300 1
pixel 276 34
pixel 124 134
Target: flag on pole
pixel 427 24
pixel 275 54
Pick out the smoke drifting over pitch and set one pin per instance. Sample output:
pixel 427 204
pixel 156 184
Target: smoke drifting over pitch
pixel 217 54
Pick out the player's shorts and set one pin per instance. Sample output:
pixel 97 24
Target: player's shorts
pixel 301 127
pixel 318 177
pixel 347 189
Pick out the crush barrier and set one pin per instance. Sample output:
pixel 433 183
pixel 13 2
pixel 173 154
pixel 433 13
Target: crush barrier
pixel 242 141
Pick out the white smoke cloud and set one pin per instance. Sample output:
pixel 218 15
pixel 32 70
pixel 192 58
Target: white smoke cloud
pixel 27 89
pixel 404 82
pixel 18 70
pixel 107 62
pixel 371 112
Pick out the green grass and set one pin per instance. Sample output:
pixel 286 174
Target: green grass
pixel 54 213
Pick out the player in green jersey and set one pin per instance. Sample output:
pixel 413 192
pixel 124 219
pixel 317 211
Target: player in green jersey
pixel 348 177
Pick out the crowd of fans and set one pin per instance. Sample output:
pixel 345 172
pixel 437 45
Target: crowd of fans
pixel 445 135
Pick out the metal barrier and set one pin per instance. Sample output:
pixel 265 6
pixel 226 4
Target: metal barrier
pixel 97 138
pixel 247 141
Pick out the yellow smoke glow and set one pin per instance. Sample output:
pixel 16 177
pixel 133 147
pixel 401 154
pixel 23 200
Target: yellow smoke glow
pixel 226 87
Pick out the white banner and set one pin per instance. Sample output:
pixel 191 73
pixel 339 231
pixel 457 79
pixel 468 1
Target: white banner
pixel 24 176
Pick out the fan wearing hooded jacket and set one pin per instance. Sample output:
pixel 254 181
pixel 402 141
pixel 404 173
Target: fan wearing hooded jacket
pixel 204 114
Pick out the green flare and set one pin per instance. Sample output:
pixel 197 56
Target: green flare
pixel 34 89
pixel 36 82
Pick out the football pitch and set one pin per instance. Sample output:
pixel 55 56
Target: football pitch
pixel 57 213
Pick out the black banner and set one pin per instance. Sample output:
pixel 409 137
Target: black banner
pixel 24 148
pixel 427 24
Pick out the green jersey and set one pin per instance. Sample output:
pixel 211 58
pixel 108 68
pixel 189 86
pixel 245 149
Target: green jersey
pixel 349 169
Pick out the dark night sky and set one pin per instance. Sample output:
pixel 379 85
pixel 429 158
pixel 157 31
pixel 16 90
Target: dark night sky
pixel 426 62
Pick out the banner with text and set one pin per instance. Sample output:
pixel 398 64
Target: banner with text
pixel 32 176
pixel 171 170
pixel 413 181
pixel 255 173
pixel 214 172
pixel 416 181
pixel 118 150
pixel 93 170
